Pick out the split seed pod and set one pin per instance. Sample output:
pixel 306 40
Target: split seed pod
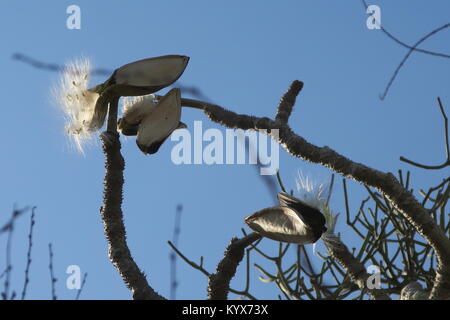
pixel 159 122
pixel 137 78
pixel 293 221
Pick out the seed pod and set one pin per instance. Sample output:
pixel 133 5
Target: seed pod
pixel 152 73
pixel 160 122
pixel 135 79
pixel 281 224
pixel 135 109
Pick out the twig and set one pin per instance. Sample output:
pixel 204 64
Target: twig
pixel 7 274
pixel 411 49
pixel 194 265
pixel 280 182
pixel 173 257
pixel 398 41
pixel 447 148
pixel 82 286
pixel 394 75
pixel 10 224
pixel 53 280
pixel 9 227
pixel 30 245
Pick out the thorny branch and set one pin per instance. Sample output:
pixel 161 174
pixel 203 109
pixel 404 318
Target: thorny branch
pixel 219 282
pixel 114 227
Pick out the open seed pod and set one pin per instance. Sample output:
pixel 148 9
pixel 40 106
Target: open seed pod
pixel 160 122
pixel 135 79
pixel 281 224
pixel 135 109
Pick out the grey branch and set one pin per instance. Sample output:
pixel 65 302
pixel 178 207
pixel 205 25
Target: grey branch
pixel 114 228
pixel 386 183
pixel 219 282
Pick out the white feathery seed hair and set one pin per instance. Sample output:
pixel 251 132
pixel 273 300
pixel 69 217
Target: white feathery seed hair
pixel 316 194
pixel 311 192
pixel 134 109
pixel 75 101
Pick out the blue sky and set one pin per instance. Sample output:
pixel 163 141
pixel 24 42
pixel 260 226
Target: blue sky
pixel 243 55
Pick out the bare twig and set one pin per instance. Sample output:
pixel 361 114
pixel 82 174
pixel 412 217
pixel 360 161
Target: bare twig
pixel 82 286
pixel 30 245
pixel 398 41
pixel 394 75
pixel 447 149
pixel 10 224
pixel 8 269
pixel 411 49
pixel 53 280
pixel 173 257
pixel 9 227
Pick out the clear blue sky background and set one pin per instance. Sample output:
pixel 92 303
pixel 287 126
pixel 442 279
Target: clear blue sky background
pixel 244 54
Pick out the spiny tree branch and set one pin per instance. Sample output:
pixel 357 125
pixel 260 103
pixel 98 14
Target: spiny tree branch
pixel 219 282
pixel 114 228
